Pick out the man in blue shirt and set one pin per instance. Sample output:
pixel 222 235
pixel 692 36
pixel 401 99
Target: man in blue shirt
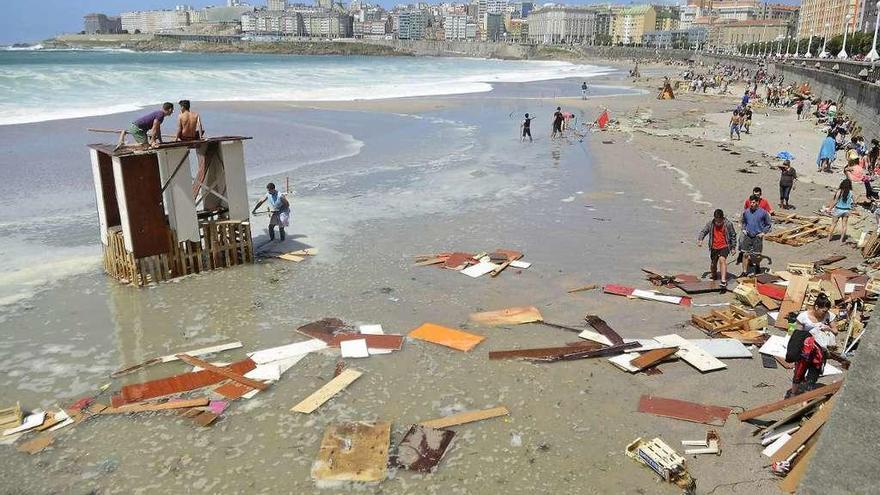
pixel 280 209
pixel 745 100
pixel 755 223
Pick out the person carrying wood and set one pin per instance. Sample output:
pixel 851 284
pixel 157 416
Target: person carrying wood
pixel 280 208
pixel 148 129
pixel 808 345
pixel 189 123
pixel 722 238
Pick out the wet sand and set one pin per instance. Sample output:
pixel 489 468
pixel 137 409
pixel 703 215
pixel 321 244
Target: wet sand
pixel 434 174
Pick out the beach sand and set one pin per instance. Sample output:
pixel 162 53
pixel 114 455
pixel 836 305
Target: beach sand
pixel 419 176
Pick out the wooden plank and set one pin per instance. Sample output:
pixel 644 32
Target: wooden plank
pixel 793 300
pixel 810 427
pixel 222 372
pixel 173 357
pixel 603 328
pixel 386 341
pixel 184 382
pixel 652 357
pixel 781 404
pixel 353 452
pixel 176 404
pixel 543 352
pixel 684 410
pixel 466 417
pixel 507 316
pixel 793 479
pixel 455 339
pixel 323 394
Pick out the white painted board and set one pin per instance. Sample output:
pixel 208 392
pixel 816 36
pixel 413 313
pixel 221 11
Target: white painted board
pixel 479 269
pixel 653 296
pixel 623 361
pixel 99 195
pixel 520 264
pixel 371 329
pixel 177 197
pixel 595 337
pixel 32 420
pixel 723 348
pixel 287 351
pixel 644 345
pixel 356 348
pixel 775 346
pixel 776 445
pixel 693 355
pixel 232 154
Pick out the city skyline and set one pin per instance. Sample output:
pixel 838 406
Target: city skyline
pixel 31 22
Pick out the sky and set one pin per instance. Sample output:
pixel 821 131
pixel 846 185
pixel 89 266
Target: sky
pixel 35 20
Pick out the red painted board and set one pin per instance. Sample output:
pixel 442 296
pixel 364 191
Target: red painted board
pixel 772 291
pixel 620 290
pixel 176 384
pixel 680 409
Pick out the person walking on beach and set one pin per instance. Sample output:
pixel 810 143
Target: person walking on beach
pixel 525 129
pixel 280 208
pixel 827 152
pixel 800 108
pixel 189 123
pixel 755 223
pixel 840 206
pixel 808 345
pixel 745 98
pixel 148 129
pixel 735 121
pixel 762 201
pixel 558 118
pixel 747 119
pixel 584 90
pixel 722 237
pixel 787 177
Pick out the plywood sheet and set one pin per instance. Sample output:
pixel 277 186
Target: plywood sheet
pixel 455 339
pixel 287 351
pixel 793 300
pixel 323 394
pixel 353 452
pixel 684 410
pixel 723 348
pixel 139 195
pixel 693 355
pixel 422 448
pixel 174 171
pixel 466 417
pixel 184 382
pixel 232 154
pixel 508 316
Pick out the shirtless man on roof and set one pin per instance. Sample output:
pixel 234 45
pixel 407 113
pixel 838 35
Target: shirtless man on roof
pixel 189 123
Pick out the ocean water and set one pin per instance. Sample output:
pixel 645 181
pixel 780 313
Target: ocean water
pixel 39 85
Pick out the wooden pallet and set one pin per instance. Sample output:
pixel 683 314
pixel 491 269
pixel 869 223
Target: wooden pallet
pixel 806 229
pixel 223 244
pixel 734 319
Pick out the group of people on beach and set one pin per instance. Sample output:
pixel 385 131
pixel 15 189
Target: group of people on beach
pixel 147 129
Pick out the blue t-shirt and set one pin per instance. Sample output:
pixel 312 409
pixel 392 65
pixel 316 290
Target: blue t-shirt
pixel 845 203
pixel 145 123
pixel 756 222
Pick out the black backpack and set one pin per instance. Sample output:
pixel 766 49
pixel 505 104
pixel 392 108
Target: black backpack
pixel 795 345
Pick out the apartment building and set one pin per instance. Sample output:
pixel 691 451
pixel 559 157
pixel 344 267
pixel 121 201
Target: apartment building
pixel 155 21
pixel 632 23
pixel 556 24
pixel 455 27
pixel 815 14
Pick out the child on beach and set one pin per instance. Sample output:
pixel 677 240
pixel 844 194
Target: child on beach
pixel 840 206
pixel 525 128
pixel 787 177
pixel 722 237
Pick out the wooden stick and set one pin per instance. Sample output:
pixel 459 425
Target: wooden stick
pixel 583 288
pixel 178 404
pixel 797 399
pixel 222 372
pixel 466 417
pixel 323 394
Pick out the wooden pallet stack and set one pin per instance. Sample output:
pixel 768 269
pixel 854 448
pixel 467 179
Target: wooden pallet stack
pixel 734 322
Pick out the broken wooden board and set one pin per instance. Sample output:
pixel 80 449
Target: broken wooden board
pixel 653 357
pixel 793 300
pixel 384 341
pixel 583 288
pixel 199 417
pixel 325 329
pixel 173 357
pixel 290 257
pixel 224 372
pixel 458 261
pixel 700 286
pixel 264 356
pixel 422 448
pixel 686 411
pixel 808 429
pixel 176 384
pixel 323 394
pixel 10 417
pixel 793 479
pixel 30 422
pixel 356 451
pixel 448 337
pixel 142 407
pixel 650 295
pixel 233 390
pixel 508 316
pixel 600 326
pixel 747 294
pixel 732 319
pixel 580 353
pixel 466 417
pixel 693 355
pixel 543 352
pixel 624 361
pixel 595 337
pixel 36 445
pixel 761 410
pixel 723 348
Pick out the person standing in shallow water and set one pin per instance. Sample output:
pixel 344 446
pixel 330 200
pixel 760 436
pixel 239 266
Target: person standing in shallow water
pixel 526 129
pixel 280 208
pixel 558 118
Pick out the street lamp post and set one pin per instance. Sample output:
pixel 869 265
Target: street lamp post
pixel 842 55
pixel 809 44
pixel 824 54
pixel 797 47
pixel 873 55
pixel 787 46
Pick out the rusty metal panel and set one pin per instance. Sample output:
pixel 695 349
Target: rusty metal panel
pixel 684 410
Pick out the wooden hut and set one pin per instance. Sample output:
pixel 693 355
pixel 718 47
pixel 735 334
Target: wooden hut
pixel 159 222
